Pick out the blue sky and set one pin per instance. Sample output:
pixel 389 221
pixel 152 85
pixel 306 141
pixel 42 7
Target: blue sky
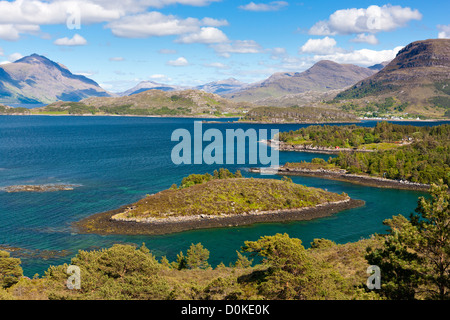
pixel 191 42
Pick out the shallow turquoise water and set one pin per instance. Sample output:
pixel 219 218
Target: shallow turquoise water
pixel 117 161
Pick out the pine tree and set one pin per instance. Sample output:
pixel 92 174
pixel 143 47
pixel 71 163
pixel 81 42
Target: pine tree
pixel 415 258
pixel 10 270
pixel 197 257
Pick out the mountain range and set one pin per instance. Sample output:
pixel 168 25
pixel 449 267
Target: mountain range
pixel 418 80
pixel 36 79
pixel 322 81
pixel 321 77
pixel 151 85
pixel 218 87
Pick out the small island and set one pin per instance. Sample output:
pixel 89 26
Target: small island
pixel 223 199
pixel 39 188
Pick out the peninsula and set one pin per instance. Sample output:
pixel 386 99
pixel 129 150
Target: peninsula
pixel 319 168
pixel 398 155
pixel 220 200
pixel 39 188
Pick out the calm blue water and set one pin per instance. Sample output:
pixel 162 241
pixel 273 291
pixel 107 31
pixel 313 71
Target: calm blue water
pixel 117 161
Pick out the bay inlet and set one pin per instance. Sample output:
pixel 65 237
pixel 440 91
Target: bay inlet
pixel 119 160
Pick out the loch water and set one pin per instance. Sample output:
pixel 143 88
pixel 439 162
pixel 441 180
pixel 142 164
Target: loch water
pixel 119 160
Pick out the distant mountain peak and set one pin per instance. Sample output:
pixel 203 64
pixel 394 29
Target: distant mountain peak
pixel 325 63
pixel 379 66
pixel 33 58
pixel 325 75
pixel 37 79
pixel 222 87
pixel 419 76
pixel 150 85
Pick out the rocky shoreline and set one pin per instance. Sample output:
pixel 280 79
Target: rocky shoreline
pixel 39 188
pixel 104 223
pixel 342 175
pixel 283 146
pixel 298 122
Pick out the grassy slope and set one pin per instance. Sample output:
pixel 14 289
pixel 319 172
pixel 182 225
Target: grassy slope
pixel 185 102
pixel 418 76
pixel 230 196
pixel 151 102
pixel 218 283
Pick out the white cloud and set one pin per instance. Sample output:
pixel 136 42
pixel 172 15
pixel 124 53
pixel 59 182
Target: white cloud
pixel 160 77
pixel 26 16
pixel 326 45
pixel 277 53
pixel 38 12
pixel 15 56
pixel 237 46
pixel 117 59
pixel 11 58
pixel 76 40
pixel 167 51
pixel 365 38
pixel 87 74
pixel 12 32
pixel 151 24
pixel 210 22
pixel 289 64
pixel 180 62
pixel 371 20
pixel 363 57
pixel 217 65
pixel 272 6
pixel 106 86
pixel 206 35
pixel 9 32
pixel 163 3
pixel 444 31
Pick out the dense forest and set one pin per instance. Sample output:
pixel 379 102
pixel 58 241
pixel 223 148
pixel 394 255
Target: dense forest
pixel 416 154
pixel 413 258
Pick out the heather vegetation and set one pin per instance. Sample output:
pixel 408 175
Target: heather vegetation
pixel 226 193
pixel 75 108
pixel 413 258
pixel 146 103
pixel 194 179
pixel 388 107
pixel 361 91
